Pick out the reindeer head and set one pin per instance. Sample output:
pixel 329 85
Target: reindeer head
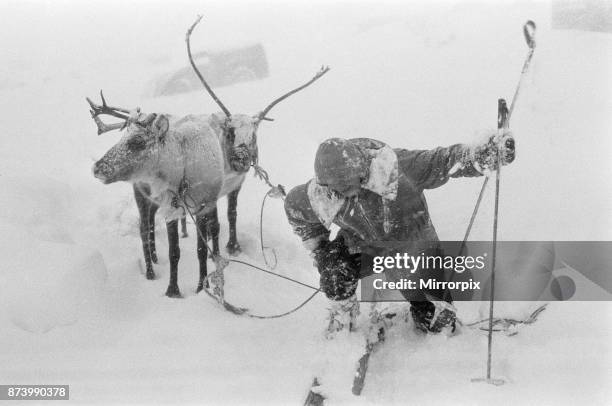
pixel 241 129
pixel 240 141
pixel 144 135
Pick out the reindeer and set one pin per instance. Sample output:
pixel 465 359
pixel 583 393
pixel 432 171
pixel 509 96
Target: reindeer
pixel 183 165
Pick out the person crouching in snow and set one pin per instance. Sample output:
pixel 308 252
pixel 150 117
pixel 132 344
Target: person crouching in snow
pixel 375 193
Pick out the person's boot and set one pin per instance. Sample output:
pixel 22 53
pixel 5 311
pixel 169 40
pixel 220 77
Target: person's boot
pixel 434 317
pixel 342 315
pixel 382 319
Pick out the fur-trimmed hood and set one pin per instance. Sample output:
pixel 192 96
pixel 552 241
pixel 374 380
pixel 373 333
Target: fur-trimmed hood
pixel 382 179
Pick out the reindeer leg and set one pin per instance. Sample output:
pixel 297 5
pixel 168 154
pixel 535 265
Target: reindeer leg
pixel 202 252
pixel 174 253
pixel 184 233
pixel 148 246
pixel 212 223
pixel 233 248
pixel 152 210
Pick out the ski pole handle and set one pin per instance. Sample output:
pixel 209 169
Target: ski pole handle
pixel 502 115
pixel 529 33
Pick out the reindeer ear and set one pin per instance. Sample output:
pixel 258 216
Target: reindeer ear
pixel 160 127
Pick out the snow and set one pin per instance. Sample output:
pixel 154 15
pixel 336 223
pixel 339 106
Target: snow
pixel 51 288
pixel 47 279
pixel 74 306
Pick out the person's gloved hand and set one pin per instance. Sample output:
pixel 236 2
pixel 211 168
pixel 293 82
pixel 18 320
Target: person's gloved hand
pixel 339 269
pixel 486 155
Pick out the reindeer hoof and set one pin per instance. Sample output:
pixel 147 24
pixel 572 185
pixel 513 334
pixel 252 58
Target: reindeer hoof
pixel 173 292
pixel 185 235
pixel 233 248
pixel 150 275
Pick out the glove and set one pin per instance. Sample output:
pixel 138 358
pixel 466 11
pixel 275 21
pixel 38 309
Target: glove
pixel 486 155
pixel 339 269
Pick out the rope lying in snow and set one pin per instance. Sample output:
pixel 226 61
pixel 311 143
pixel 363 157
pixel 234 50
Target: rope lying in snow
pixel 222 262
pixel 244 311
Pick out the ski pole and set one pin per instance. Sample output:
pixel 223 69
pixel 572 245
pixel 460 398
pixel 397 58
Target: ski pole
pixel 502 125
pixel 529 33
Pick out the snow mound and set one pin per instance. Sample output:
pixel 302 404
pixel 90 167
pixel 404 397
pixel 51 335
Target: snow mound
pixel 44 285
pixel 46 280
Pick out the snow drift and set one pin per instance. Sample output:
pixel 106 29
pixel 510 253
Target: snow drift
pixel 46 280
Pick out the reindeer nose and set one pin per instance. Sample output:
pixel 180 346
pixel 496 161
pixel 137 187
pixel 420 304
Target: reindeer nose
pixel 102 170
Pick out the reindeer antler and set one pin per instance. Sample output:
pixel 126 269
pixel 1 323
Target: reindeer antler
pixel 105 109
pixel 197 72
pixel 97 110
pixel 262 115
pixel 102 127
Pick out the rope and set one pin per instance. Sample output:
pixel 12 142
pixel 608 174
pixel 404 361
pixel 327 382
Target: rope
pixel 261 239
pixel 229 306
pixel 275 192
pixel 244 311
pixel 276 316
pixel 272 273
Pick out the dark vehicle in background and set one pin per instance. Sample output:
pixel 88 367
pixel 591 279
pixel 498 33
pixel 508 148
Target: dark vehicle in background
pixel 221 68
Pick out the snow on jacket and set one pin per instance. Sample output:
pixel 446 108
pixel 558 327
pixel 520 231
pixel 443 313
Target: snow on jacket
pixel 390 206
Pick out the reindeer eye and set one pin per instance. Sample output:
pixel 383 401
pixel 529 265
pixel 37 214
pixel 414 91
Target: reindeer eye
pixel 136 143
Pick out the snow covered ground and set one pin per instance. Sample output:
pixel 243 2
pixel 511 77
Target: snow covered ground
pixel 74 306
